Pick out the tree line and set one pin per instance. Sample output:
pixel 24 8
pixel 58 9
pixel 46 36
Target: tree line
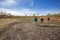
pixel 53 15
pixel 5 15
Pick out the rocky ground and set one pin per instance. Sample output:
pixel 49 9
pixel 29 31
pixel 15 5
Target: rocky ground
pixel 25 30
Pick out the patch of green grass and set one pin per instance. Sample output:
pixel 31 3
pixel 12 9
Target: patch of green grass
pixel 1 26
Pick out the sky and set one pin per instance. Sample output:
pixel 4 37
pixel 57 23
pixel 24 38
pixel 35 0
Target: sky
pixel 30 7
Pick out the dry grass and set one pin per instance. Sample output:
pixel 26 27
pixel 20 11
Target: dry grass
pixel 25 29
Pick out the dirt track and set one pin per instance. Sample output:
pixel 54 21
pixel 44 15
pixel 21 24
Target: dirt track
pixel 29 31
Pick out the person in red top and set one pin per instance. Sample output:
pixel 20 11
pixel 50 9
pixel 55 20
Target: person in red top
pixel 48 19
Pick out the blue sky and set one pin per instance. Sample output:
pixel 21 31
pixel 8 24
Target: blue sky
pixel 30 7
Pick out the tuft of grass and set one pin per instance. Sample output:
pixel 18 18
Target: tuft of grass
pixel 2 26
pixel 47 25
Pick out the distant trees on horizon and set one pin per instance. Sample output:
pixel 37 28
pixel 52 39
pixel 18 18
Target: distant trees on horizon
pixel 53 15
pixel 5 15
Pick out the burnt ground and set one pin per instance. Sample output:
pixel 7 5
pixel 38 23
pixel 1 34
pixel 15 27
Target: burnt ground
pixel 25 30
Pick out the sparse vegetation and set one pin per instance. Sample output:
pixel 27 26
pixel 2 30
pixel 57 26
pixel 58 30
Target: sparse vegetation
pixel 54 15
pixel 23 28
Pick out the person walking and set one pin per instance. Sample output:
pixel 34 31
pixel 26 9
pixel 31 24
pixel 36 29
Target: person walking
pixel 35 20
pixel 48 19
pixel 42 20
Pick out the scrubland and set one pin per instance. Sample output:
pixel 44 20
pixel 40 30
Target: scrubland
pixel 24 28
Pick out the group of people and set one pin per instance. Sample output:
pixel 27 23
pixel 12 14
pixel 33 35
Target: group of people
pixel 42 20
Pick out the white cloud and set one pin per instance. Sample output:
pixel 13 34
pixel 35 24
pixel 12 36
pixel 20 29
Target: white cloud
pixel 22 12
pixel 13 12
pixel 8 3
pixel 15 2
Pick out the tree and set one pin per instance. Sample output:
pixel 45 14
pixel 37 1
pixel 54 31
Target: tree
pixel 34 14
pixel 37 13
pixel 49 14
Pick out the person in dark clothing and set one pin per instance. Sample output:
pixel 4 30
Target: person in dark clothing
pixel 42 19
pixel 48 19
pixel 35 20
